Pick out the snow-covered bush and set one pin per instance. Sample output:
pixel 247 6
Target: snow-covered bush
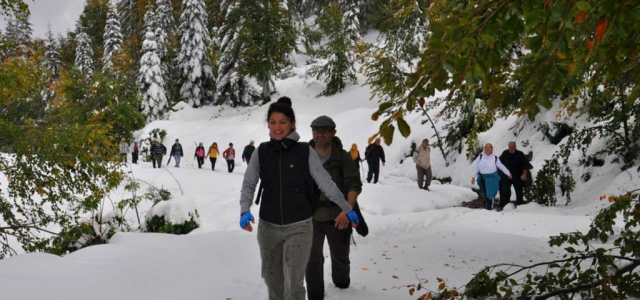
pixel 176 216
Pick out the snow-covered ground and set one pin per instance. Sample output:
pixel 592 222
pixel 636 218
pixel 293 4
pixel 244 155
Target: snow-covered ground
pixel 414 234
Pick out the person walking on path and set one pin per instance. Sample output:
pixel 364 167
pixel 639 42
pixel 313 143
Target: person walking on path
pixel 213 155
pixel 374 154
pixel 176 153
pixel 517 163
pixel 355 155
pixel 134 154
pixel 248 150
pixel 339 164
pixel 157 152
pixel 486 168
pixel 124 149
pixel 230 155
pixel 199 154
pixel 287 170
pixel 422 158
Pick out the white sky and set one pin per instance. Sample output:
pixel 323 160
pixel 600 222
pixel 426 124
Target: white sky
pixel 414 234
pixel 61 14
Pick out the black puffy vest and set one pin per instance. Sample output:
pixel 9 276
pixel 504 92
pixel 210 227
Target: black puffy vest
pixel 284 197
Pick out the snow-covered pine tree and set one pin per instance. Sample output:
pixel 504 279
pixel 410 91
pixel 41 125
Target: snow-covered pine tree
pixel 152 92
pixel 165 26
pixel 150 22
pixel 84 55
pixel 51 59
pixel 351 20
pixel 112 37
pixel 231 86
pixel 340 28
pixel 193 59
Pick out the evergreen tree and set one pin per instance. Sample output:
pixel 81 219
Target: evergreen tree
pixel 92 21
pixel 231 86
pixel 351 20
pixel 18 30
pixel 165 27
pixel 152 92
pixel 268 36
pixel 51 59
pixel 150 22
pixel 193 59
pixel 112 37
pixel 341 30
pixel 84 55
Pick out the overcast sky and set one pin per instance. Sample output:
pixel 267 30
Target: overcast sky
pixel 61 14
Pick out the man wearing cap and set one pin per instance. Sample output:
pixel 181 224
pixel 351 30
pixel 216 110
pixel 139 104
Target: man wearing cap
pixel 339 165
pixel 246 153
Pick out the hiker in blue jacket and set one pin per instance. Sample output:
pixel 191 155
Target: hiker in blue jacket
pixel 287 205
pixel 486 168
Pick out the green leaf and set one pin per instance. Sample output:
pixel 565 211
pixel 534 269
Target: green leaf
pixel 583 5
pixel 403 127
pixel 387 134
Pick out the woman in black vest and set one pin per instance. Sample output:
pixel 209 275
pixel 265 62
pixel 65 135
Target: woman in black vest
pixel 285 232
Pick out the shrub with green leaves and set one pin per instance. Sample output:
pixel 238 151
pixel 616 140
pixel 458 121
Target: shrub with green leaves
pixel 175 216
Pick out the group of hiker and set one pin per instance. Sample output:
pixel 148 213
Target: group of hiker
pixel 498 174
pixel 157 151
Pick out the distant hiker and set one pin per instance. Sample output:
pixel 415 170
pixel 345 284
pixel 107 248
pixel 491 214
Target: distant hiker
pixel 213 155
pixel 230 155
pixel 517 163
pixel 134 154
pixel 157 151
pixel 374 154
pixel 422 158
pixel 328 221
pixel 200 155
pixel 486 168
pixel 287 170
pixel 124 149
pixel 355 155
pixel 176 153
pixel 248 150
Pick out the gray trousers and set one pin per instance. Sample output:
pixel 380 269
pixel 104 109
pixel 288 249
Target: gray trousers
pixel 422 173
pixel 285 254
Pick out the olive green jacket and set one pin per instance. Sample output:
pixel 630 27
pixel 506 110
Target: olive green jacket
pixel 346 176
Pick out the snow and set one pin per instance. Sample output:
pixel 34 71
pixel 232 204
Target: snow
pixel 414 234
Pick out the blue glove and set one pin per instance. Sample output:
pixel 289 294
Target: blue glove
pixel 353 216
pixel 246 218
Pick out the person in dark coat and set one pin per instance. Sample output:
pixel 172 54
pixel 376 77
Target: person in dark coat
pixel 176 153
pixel 517 163
pixel 134 154
pixel 374 154
pixel 157 151
pixel 339 164
pixel 246 153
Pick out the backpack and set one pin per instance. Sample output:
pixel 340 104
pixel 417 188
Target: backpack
pixel 200 152
pixel 312 190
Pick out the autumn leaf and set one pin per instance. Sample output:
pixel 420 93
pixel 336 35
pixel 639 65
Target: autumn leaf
pixel 590 44
pixel 394 276
pixel 375 116
pixel 365 269
pixel 421 101
pixel 581 16
pixel 601 29
pixel 611 199
pixel 411 291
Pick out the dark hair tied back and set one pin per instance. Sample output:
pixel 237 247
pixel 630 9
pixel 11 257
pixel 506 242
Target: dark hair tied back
pixel 283 106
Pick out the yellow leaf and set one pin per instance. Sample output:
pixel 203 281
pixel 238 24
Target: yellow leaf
pixel 365 269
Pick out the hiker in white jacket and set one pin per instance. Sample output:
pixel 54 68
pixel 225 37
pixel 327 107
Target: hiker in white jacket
pixel 422 158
